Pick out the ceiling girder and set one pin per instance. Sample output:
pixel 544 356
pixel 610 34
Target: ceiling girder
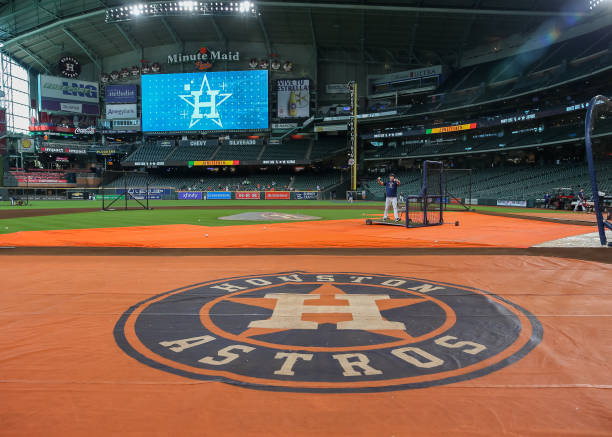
pixel 89 52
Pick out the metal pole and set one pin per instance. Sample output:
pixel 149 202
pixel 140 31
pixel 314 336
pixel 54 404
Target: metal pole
pixel 125 194
pixel 354 172
pixel 588 127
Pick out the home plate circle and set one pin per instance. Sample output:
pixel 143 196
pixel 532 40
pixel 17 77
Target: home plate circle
pixel 269 216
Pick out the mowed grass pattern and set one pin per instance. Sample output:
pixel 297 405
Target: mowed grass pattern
pixel 191 216
pixel 113 219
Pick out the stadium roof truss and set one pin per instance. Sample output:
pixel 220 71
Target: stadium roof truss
pixel 405 32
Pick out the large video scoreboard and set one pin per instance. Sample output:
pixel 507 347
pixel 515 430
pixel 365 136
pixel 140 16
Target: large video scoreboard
pixel 225 100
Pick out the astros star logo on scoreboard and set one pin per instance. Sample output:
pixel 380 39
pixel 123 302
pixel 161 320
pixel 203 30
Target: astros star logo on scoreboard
pixel 193 99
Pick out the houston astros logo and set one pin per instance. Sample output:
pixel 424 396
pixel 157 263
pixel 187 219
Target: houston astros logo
pixel 328 332
pixel 215 98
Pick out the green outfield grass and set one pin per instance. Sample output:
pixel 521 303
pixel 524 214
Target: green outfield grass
pixel 201 217
pixel 192 216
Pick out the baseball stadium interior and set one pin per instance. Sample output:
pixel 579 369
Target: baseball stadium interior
pixel 187 197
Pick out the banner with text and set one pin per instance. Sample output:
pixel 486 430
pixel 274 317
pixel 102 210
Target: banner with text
pixel 77 96
pixel 247 195
pixel 199 143
pixel 306 195
pixel 293 96
pixel 516 203
pixel 190 195
pixel 278 195
pixel 121 94
pixel 114 112
pixel 218 195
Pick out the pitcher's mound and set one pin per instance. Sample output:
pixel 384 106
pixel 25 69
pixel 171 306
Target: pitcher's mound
pixel 269 216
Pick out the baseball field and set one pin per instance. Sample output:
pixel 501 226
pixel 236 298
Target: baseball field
pixel 296 318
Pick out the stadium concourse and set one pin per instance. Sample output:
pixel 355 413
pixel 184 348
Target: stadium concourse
pixel 198 233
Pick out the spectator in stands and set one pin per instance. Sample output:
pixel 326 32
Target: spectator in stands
pixel 580 201
pixel 547 200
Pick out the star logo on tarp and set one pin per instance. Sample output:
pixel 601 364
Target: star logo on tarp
pixel 194 99
pixel 327 304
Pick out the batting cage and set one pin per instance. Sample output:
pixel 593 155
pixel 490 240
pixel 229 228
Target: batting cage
pixel 123 190
pixel 427 208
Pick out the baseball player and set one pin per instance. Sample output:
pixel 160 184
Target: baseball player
pixel 581 200
pixel 391 196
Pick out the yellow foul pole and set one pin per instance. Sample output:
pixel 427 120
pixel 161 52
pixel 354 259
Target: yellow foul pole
pixel 354 167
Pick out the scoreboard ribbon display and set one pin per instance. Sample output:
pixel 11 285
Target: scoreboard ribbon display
pixel 212 163
pixel 440 130
pixel 205 101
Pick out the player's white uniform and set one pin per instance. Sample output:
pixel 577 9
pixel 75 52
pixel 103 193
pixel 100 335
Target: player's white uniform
pixel 391 199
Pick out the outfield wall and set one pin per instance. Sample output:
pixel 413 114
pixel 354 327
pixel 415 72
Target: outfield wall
pixel 157 193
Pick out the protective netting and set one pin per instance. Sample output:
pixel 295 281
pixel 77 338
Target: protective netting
pixel 424 211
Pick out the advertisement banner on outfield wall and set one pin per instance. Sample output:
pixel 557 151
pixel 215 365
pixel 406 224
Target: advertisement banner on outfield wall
pixel 306 195
pixel 54 91
pixel 519 203
pixel 218 195
pixel 293 98
pixel 278 195
pixel 190 195
pixel 247 195
pixel 140 193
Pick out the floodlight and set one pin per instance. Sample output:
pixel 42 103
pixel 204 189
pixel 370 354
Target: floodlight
pixel 180 8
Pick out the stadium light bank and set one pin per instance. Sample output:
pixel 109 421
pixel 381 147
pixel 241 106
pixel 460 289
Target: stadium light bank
pixel 180 9
pixel 594 4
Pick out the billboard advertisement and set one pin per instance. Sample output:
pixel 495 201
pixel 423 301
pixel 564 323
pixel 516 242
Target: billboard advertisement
pixel 128 110
pixel 219 195
pixel 121 94
pixel 278 195
pixel 68 95
pixel 306 195
pixel 519 203
pixel 293 98
pixel 205 101
pixel 141 193
pixel 247 195
pixel 190 195
pixel 26 145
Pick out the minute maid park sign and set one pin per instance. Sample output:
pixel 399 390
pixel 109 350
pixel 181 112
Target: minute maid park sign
pixel 203 58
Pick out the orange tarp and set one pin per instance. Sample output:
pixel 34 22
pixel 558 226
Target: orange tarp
pixel 475 230
pixel 63 374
